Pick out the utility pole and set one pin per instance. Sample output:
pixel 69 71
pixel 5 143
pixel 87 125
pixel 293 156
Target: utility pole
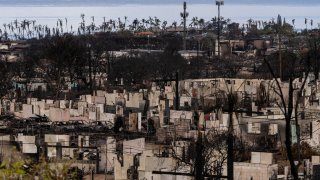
pixel 280 57
pixel 199 161
pixel 279 24
pixel 219 3
pixel 184 16
pixel 177 91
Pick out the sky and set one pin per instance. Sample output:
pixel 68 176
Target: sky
pixel 121 2
pixel 48 11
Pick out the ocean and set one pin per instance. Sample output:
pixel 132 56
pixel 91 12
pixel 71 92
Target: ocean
pixel 48 15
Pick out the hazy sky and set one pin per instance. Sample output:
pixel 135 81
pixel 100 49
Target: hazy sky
pixel 48 11
pixel 115 2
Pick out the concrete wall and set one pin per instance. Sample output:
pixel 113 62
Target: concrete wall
pixel 27 110
pixel 28 144
pixel 315 140
pixel 134 146
pixel 111 98
pixel 185 100
pixel 174 115
pixel 133 99
pixel 108 155
pixel 155 164
pixel 261 158
pixel 120 172
pixel 57 114
pixel 52 139
pixel 154 98
pixel 245 171
pixel 107 117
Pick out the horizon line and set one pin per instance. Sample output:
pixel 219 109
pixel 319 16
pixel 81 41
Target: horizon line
pixel 88 4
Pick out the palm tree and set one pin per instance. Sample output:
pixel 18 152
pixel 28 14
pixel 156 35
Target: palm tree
pixel 306 23
pixel 82 17
pixel 66 20
pixel 260 24
pixel 264 24
pixel 250 21
pixel 125 22
pixel 9 27
pixel 150 22
pixel 33 27
pixel 174 24
pixel 143 22
pixel 28 24
pixel 103 27
pixel 24 25
pixel 121 25
pixel 201 23
pixel 92 26
pixel 113 24
pixel 15 23
pixel 135 24
pixel 164 25
pixel 82 24
pixel 272 21
pixel 156 22
pixel 228 21
pixel 214 23
pixel 293 21
pixel 71 29
pixel 194 22
pixel 59 23
pixel 147 24
pixel 5 27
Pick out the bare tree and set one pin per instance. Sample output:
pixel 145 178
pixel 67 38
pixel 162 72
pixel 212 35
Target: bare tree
pixel 289 104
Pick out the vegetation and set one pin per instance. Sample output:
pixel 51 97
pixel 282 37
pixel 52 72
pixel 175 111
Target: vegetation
pixel 16 166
